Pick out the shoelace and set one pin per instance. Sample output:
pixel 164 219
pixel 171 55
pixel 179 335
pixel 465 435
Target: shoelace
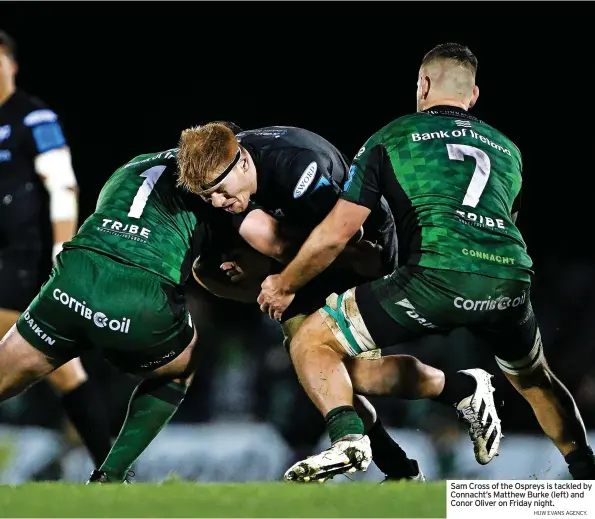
pixel 472 418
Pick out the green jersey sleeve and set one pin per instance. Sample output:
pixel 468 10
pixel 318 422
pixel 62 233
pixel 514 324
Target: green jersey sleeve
pixel 363 184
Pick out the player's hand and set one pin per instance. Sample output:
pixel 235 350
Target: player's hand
pixel 274 298
pixel 233 271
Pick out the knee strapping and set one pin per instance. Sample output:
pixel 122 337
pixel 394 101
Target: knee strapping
pixel 526 364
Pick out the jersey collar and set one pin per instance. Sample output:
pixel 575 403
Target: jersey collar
pixel 9 100
pixel 450 111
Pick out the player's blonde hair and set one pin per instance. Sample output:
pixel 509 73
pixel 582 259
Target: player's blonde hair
pixel 203 153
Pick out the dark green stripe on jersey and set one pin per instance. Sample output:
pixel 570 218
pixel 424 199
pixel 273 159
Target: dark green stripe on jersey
pixel 380 179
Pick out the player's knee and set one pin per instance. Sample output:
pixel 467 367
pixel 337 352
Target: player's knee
pixel 7 320
pixel 421 380
pixel 180 368
pixel 431 380
pixel 20 364
pixel 185 380
pixel 403 376
pixel 68 377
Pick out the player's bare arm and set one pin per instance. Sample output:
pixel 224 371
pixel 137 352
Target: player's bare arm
pixel 321 248
pixel 281 241
pixel 269 237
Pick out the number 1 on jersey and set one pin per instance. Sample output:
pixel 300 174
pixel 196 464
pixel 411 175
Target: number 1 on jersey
pixel 481 174
pixel 151 177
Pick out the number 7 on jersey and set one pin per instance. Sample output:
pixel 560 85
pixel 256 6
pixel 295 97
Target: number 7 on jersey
pixel 481 174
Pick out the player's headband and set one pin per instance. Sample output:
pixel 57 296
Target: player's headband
pixel 219 178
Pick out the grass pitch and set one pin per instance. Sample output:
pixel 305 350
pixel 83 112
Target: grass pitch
pixel 177 499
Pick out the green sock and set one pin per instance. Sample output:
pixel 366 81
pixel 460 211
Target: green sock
pixel 342 421
pixel 151 407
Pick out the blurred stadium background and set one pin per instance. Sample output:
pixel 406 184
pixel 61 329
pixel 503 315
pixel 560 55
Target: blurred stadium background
pixel 123 87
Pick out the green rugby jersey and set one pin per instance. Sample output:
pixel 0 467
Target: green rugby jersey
pixel 452 183
pixel 143 219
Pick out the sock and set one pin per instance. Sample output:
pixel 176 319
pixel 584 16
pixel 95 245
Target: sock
pixel 87 412
pixel 342 421
pixel 388 455
pixel 151 407
pixel 581 463
pixel 456 387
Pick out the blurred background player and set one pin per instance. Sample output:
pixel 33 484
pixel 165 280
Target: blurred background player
pixel 38 212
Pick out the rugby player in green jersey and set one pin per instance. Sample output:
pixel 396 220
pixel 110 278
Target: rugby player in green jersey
pixel 453 184
pixel 117 286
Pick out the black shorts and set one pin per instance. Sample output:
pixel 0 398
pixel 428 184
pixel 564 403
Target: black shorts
pixel 313 296
pixel 21 276
pixel 25 245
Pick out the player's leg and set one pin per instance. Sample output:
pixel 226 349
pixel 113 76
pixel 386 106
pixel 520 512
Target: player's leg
pixel 7 319
pixel 421 301
pixel 358 322
pixel 152 405
pixel 20 279
pixel 156 342
pixel 388 455
pixel 84 407
pixel 519 354
pixel 16 290
pixel 318 358
pixel 21 364
pixel 469 391
pixel 318 361
pixel 32 347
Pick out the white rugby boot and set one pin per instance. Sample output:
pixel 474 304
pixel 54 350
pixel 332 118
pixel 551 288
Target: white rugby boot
pixel 348 455
pixel 478 411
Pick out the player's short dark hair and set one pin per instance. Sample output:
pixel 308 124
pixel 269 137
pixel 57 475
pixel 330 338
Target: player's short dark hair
pixel 452 51
pixel 7 41
pixel 232 126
